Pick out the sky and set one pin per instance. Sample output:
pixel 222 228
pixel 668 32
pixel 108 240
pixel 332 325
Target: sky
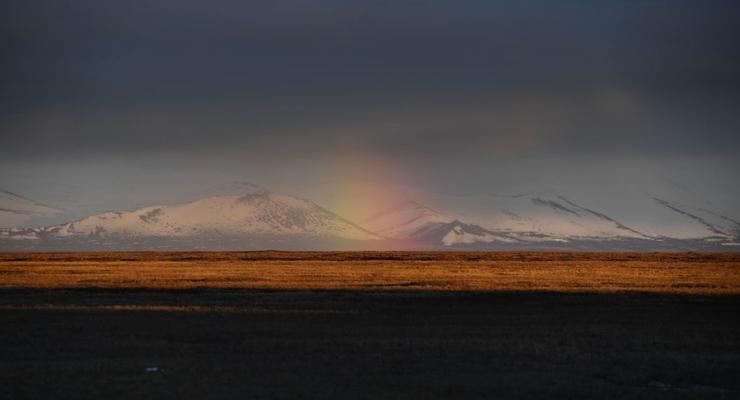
pixel 120 104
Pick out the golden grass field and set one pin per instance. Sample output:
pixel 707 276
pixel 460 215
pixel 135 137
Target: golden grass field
pixel 688 273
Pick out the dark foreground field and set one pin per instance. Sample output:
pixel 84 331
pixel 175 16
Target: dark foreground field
pixel 211 341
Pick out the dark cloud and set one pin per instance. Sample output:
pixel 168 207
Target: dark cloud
pixel 411 79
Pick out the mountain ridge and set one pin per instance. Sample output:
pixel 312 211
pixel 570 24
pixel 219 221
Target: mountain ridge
pixel 263 219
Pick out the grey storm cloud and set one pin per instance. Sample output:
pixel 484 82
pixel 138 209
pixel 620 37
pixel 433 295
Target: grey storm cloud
pixel 472 78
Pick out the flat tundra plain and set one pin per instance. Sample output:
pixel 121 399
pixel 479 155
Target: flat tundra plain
pixel 369 325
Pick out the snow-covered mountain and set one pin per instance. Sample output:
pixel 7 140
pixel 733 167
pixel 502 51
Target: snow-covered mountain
pixel 551 214
pixel 458 233
pixel 402 220
pixel 703 223
pixel 16 210
pixel 627 219
pixel 249 221
pixel 422 226
pixel 260 219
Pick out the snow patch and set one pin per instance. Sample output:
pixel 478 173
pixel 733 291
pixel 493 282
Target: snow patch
pixel 459 236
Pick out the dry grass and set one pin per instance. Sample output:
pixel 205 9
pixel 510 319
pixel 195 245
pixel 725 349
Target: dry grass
pixel 688 273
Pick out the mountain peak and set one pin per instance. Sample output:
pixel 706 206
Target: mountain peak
pixel 237 219
pixel 403 219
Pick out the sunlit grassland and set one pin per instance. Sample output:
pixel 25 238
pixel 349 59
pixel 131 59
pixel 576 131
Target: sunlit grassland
pixel 688 273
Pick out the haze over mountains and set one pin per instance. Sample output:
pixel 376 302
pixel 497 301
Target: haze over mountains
pixel 16 210
pixel 260 219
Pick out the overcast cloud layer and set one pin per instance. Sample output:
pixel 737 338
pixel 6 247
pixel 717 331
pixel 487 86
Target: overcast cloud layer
pixel 462 97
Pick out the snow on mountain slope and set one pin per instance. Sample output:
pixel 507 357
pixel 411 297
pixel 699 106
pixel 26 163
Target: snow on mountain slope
pixel 612 219
pixel 15 209
pixel 260 213
pixel 612 213
pixel 654 210
pixel 421 225
pixel 457 233
pixel 707 223
pixel 551 214
pixel 402 220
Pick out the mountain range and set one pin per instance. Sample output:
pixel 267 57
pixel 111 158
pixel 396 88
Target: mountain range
pixel 260 219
